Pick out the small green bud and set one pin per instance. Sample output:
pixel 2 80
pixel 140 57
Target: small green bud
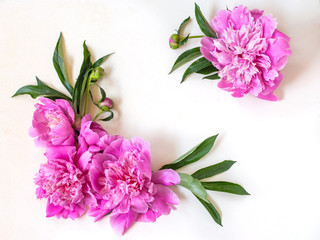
pixel 174 41
pixel 96 73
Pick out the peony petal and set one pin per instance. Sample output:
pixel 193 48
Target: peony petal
pixel 61 152
pixel 52 209
pixel 98 212
pixel 278 51
pixel 138 204
pixel 166 177
pixel 122 222
pixel 149 216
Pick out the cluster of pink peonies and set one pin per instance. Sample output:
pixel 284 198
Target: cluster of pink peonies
pixel 88 168
pixel 249 52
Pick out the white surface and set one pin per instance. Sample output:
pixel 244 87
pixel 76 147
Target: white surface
pixel 276 145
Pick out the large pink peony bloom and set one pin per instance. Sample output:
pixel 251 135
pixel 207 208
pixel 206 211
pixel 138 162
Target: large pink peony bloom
pixel 123 183
pixel 63 184
pixel 52 123
pixel 249 52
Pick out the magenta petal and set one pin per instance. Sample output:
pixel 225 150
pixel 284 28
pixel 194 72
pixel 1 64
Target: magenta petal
pixel 256 13
pixel 122 222
pixel 52 209
pixel 166 177
pixel 149 216
pixel 61 152
pixel 98 213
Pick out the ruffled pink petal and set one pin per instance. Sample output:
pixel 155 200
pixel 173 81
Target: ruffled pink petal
pixel 256 13
pixel 278 52
pixel 67 109
pixel 269 25
pixel 61 152
pixel 220 22
pixel 138 204
pixel 98 212
pixel 166 177
pixel 122 222
pixel 149 216
pixel 52 210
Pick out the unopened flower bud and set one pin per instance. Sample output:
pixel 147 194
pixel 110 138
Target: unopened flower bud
pixel 106 104
pixel 174 41
pixel 96 73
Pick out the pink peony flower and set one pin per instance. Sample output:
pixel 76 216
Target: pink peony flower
pixel 63 184
pixel 249 52
pixel 123 183
pixel 52 123
pixel 92 139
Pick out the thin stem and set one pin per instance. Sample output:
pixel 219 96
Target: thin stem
pixel 97 115
pixel 87 94
pixel 198 36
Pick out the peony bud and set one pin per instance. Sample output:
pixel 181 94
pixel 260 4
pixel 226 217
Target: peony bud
pixel 174 41
pixel 106 104
pixel 96 73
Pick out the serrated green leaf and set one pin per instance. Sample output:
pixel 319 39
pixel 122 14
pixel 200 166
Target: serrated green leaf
pixel 228 187
pixel 82 78
pixel 186 57
pixel 193 185
pixel 40 90
pixel 101 60
pixel 213 169
pixel 107 118
pixel 203 23
pixel 59 65
pixel 208 70
pixel 185 40
pixel 212 211
pixel 182 25
pixel 192 155
pixel 197 65
pixel 212 77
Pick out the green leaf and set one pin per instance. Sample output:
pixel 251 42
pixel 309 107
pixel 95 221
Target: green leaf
pixel 212 77
pixel 186 57
pixel 107 118
pixel 203 23
pixel 101 60
pixel 82 78
pixel 182 24
pixel 184 41
pixel 193 155
pixel 102 92
pixel 213 169
pixel 225 187
pixel 59 65
pixel 208 70
pixel 90 93
pixel 193 185
pixel 40 90
pixel 197 65
pixel 212 210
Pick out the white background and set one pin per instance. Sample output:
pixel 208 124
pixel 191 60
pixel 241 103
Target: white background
pixel 276 144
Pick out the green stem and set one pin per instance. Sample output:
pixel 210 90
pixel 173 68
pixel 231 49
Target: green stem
pixel 97 115
pixel 198 36
pixel 87 94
